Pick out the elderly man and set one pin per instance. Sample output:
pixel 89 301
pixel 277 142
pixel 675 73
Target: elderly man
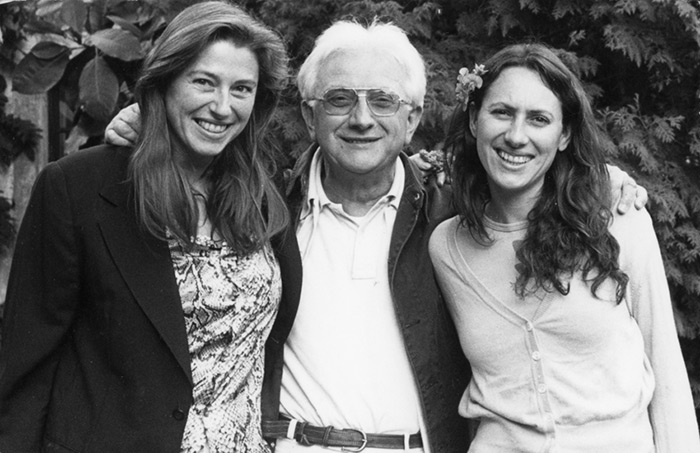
pixel 372 361
pixel 372 348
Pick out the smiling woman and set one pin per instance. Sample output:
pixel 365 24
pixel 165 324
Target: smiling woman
pixel 519 130
pixel 562 308
pixel 144 283
pixel 209 104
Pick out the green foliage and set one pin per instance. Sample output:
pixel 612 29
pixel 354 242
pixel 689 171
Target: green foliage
pixel 17 136
pixel 91 51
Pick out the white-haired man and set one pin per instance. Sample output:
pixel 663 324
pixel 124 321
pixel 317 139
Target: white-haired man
pixel 372 351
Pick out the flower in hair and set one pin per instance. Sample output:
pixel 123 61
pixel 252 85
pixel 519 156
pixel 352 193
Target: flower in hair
pixel 467 82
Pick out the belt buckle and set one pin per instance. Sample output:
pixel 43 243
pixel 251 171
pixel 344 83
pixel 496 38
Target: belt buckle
pixel 361 447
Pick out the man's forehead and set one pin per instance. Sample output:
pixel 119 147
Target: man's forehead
pixel 361 68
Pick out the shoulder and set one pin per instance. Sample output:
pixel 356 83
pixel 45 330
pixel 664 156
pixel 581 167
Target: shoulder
pixel 441 234
pixel 83 174
pixel 630 226
pixel 96 158
pixel 97 166
pixel 446 226
pixel 634 232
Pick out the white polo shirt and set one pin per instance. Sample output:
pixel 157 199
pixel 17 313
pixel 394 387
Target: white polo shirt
pixel 345 363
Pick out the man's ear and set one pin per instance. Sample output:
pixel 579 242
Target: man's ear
pixel 413 120
pixel 307 112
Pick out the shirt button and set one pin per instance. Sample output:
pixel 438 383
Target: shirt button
pixel 178 415
pixel 541 388
pixel 529 326
pixel 536 355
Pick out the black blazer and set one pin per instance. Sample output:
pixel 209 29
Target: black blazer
pixel 94 354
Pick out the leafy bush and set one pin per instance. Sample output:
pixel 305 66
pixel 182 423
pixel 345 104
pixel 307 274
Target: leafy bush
pixel 91 52
pixel 17 135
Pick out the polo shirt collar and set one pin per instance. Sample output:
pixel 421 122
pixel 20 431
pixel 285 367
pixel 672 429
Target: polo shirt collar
pixel 316 198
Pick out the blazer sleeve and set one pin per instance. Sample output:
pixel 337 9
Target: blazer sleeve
pixel 671 410
pixel 42 299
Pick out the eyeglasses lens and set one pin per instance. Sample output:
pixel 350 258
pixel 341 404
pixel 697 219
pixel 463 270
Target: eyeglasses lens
pixel 341 101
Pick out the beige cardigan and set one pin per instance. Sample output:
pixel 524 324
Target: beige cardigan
pixel 570 373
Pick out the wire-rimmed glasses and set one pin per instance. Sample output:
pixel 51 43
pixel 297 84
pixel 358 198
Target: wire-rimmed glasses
pixel 341 101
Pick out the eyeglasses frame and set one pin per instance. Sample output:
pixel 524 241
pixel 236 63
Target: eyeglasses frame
pixel 361 92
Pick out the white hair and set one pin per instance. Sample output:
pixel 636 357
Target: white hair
pixel 347 35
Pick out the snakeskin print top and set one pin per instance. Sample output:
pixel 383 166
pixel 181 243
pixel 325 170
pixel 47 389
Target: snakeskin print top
pixel 230 303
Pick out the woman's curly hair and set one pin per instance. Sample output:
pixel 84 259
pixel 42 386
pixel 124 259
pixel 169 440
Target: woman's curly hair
pixel 568 226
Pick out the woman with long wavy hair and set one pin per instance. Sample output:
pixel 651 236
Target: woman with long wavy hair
pixel 562 306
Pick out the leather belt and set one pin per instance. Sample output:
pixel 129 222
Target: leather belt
pixel 351 440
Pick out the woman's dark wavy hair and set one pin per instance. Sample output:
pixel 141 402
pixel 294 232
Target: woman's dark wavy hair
pixel 568 226
pixel 244 205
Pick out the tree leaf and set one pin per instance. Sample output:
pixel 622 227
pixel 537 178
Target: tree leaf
pixel 125 24
pixel 74 13
pixel 99 89
pixel 40 70
pixel 37 25
pixel 116 43
pixel 48 50
pixel 77 137
pixel 46 7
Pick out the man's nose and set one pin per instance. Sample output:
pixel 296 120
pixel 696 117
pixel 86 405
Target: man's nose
pixel 361 115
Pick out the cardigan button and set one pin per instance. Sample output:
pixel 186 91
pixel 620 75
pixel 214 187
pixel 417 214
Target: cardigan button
pixel 178 415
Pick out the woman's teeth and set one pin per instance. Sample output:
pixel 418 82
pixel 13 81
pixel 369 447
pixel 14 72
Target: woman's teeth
pixel 511 159
pixel 211 127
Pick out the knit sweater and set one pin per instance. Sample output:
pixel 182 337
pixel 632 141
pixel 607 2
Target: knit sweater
pixel 574 373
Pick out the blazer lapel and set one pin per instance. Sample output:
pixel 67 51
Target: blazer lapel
pixel 145 265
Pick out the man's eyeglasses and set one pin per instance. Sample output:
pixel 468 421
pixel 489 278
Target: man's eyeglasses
pixel 340 101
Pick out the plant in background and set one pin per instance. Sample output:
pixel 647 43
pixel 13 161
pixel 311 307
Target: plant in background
pixel 90 51
pixel 17 136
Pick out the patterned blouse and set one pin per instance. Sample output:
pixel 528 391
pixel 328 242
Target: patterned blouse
pixel 230 303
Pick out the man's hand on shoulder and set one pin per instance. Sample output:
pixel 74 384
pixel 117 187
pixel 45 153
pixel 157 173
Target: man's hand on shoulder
pixel 124 129
pixel 431 163
pixel 631 194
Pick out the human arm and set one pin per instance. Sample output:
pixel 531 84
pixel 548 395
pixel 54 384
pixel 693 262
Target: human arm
pixel 124 129
pixel 41 302
pixel 626 190
pixel 671 410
